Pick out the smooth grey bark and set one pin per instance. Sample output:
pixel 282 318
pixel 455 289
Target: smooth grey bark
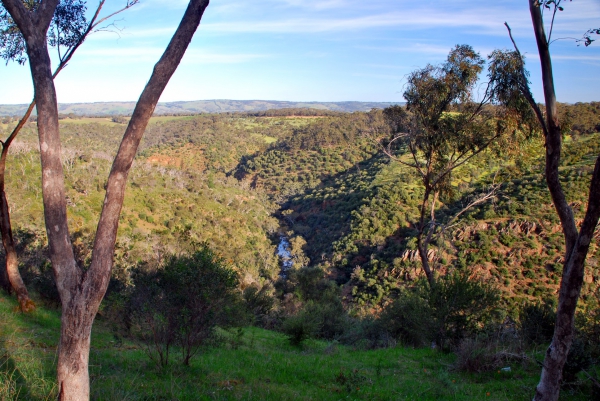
pixel 12 267
pixel 576 242
pixel 82 291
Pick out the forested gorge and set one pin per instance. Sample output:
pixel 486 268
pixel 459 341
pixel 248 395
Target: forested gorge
pixel 224 189
pixel 445 248
pixel 239 181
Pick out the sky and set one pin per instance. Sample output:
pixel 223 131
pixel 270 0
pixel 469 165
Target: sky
pixel 311 50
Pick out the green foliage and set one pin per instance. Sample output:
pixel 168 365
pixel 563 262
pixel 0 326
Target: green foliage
pixel 477 355
pixel 324 319
pixel 582 118
pixel 578 359
pixel 259 301
pixel 537 321
pixel 262 367
pixel 183 302
pixel 299 328
pixel 66 29
pixel 456 307
pixel 351 210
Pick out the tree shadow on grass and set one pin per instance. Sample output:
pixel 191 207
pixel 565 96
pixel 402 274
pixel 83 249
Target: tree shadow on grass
pixel 27 354
pixel 12 382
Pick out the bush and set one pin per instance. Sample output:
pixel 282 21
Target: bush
pixel 43 283
pixel 454 308
pixel 259 302
pixel 578 359
pixel 299 328
pixel 588 325
pixel 537 322
pixel 475 355
pixel 324 319
pixel 182 303
pixel 410 318
pixel 367 333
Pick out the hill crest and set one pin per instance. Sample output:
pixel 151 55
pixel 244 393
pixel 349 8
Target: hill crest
pixel 197 107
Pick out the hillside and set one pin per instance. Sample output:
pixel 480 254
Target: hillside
pixel 196 107
pixel 250 185
pixel 238 182
pixel 253 364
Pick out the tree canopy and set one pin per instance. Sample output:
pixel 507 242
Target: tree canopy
pixel 68 26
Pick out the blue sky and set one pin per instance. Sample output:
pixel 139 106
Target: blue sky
pixel 311 50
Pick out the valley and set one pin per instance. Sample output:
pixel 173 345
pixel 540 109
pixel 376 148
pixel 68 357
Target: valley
pixel 315 220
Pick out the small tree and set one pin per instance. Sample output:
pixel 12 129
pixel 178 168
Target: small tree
pixel 444 126
pixel 577 241
pixel 184 302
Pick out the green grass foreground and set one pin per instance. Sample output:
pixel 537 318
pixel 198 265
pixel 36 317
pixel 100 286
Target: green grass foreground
pixel 259 365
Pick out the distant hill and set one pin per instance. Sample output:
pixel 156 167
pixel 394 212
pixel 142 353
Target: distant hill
pixel 196 107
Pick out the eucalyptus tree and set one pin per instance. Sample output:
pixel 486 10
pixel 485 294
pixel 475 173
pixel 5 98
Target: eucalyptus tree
pixel 68 30
pixel 445 125
pixel 577 239
pixel 82 290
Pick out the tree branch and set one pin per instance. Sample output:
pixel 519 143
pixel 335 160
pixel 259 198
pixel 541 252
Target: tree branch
pixel 21 16
pixel 525 88
pixel 102 254
pixel 43 15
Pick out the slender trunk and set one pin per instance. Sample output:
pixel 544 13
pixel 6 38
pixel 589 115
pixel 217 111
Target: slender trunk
pixel 81 292
pixel 576 243
pixel 421 247
pixel 423 243
pixel 74 345
pixel 548 388
pixel 12 263
pixel 85 299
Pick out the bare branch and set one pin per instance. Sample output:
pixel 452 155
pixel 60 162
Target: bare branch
pixel 128 6
pixel 525 88
pixel 552 22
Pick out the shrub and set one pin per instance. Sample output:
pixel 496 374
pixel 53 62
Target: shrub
pixel 367 333
pixel 299 328
pixel 44 285
pixel 324 319
pixel 475 355
pixel 537 322
pixel 578 359
pixel 259 302
pixel 588 324
pixel 463 306
pixel 410 318
pixel 332 320
pixel 455 307
pixel 183 302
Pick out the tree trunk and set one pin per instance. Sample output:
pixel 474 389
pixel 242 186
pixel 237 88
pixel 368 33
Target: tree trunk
pixel 81 292
pixel 74 350
pixel 12 264
pixel 548 388
pixel 423 243
pixel 422 249
pixel 576 243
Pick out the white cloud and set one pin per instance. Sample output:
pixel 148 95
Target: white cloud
pixel 403 20
pixel 152 54
pixel 319 4
pixel 317 16
pixel 574 57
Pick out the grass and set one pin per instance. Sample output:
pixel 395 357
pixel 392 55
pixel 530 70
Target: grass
pixel 261 365
pixel 268 139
